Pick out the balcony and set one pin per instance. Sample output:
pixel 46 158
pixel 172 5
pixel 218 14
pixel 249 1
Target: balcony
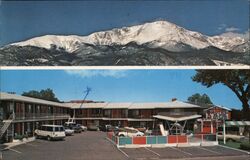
pixel 88 115
pixel 40 116
pixel 116 116
pixel 177 113
pixel 140 116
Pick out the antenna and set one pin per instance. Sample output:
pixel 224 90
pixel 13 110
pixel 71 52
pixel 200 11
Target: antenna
pixel 87 91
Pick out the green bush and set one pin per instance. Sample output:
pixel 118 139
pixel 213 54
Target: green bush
pixel 245 146
pixel 20 137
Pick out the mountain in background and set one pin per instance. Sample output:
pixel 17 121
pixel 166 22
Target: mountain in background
pixel 155 43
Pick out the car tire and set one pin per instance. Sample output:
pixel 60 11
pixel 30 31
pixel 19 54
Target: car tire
pixel 121 135
pixel 48 138
pixel 36 136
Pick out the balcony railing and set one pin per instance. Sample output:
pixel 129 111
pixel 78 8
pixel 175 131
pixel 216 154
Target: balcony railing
pixel 116 116
pixel 30 116
pixel 140 116
pixel 177 113
pixel 88 115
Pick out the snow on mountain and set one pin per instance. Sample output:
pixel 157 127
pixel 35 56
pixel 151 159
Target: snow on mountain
pixel 158 34
pixel 226 43
pixel 69 43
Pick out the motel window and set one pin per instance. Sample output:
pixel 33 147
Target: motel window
pixel 107 112
pixel 38 109
pixel 124 112
pixel 96 111
pixel 29 108
pixel 135 112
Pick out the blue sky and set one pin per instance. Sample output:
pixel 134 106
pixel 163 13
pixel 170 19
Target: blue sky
pixel 116 85
pixel 21 20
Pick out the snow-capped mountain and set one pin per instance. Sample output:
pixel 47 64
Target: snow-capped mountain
pixel 158 34
pixel 156 43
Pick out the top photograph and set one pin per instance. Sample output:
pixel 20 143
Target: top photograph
pixel 125 33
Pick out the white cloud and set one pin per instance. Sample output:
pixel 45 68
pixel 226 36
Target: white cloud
pixel 95 73
pixel 226 28
pixel 233 34
pixel 231 29
pixel 222 26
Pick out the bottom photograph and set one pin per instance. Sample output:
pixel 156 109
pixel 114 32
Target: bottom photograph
pixel 118 114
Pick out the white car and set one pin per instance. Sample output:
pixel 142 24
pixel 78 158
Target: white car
pixel 50 132
pixel 231 137
pixel 129 132
pixel 84 128
pixel 68 131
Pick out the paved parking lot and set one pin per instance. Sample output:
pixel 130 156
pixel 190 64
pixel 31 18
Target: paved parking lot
pixel 213 153
pixel 86 145
pixel 95 146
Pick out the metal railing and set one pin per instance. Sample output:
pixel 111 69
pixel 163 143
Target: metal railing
pixel 200 138
pixel 88 115
pixel 27 116
pixel 170 139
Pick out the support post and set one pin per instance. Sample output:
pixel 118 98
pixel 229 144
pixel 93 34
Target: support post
pixel 224 132
pixel 202 125
pixel 212 127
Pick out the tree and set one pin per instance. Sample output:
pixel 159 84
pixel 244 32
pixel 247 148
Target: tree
pixel 46 94
pixel 236 80
pixel 201 99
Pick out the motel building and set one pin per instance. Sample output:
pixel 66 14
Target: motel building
pixel 20 115
pixel 137 115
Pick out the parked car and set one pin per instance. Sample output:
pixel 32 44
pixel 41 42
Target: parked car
pixel 68 131
pixel 231 137
pixel 129 132
pixel 84 128
pixel 76 127
pixel 51 132
pixel 141 129
pixel 93 127
pixel 108 128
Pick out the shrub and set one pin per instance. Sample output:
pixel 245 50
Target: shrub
pixel 20 137
pixel 245 146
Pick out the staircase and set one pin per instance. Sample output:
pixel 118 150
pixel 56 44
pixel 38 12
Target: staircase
pixel 4 125
pixel 71 120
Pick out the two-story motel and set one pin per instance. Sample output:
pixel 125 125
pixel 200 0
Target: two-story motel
pixel 25 114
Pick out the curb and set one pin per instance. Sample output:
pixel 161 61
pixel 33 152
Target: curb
pixel 236 149
pixel 10 145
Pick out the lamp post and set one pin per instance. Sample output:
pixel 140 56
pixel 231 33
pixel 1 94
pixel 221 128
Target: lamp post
pixel 224 131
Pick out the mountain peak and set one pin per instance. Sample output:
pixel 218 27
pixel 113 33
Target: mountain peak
pixel 157 34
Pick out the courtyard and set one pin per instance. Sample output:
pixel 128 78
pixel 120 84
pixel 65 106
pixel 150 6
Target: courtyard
pixel 95 146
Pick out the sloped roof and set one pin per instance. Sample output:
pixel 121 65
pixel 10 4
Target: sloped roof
pixel 237 123
pixel 177 119
pixel 106 105
pixel 7 96
pixel 148 105
pixel 86 105
pixel 153 105
pixel 228 109
pixel 117 105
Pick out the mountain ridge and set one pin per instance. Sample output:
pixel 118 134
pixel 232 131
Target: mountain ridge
pixel 159 34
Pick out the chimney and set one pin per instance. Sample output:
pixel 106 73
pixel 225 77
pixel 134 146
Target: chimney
pixel 174 99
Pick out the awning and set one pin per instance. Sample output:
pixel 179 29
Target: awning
pixel 237 123
pixel 177 119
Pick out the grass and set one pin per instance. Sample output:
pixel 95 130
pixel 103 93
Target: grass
pixel 231 144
